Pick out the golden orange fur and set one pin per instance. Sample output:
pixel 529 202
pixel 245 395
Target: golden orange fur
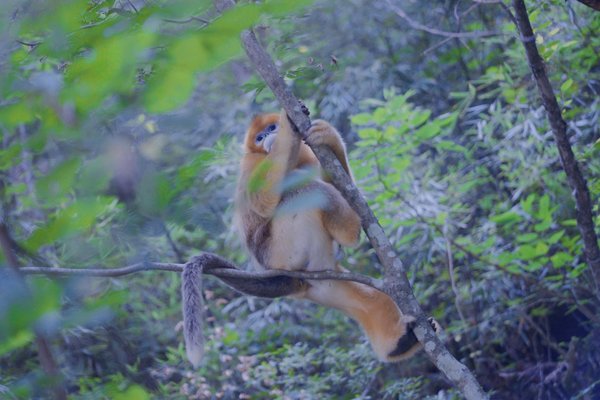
pixel 306 235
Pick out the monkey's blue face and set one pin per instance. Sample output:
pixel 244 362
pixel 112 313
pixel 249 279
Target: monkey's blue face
pixel 266 137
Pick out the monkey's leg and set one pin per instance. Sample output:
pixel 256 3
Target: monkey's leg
pixel 340 220
pixel 388 330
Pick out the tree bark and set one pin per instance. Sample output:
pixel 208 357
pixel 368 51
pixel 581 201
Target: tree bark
pixel 395 282
pixel 577 182
pixel 594 4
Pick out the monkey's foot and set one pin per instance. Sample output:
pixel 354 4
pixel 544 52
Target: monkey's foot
pixel 408 343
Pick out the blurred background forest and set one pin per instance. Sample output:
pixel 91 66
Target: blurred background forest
pixel 121 126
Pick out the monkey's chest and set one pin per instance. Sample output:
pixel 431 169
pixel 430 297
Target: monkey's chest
pixel 299 241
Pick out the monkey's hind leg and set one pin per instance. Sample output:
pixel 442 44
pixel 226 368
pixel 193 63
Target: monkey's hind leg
pixel 389 331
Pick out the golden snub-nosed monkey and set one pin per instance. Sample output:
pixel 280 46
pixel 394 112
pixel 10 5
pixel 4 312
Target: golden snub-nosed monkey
pixel 290 217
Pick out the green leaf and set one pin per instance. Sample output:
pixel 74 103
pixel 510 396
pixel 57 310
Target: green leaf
pixel 74 219
pixel 577 271
pixel 10 156
pixel 527 204
pixel 64 15
pixel 188 173
pixel 544 207
pixel 361 119
pixel 174 81
pixel 285 7
pixel 566 85
pixel 171 89
pixel 16 114
pixel 556 237
pixel 526 252
pixel 568 222
pixel 542 226
pixel 450 146
pixel 561 259
pixel 155 193
pixel 133 392
pixel 94 176
pixel 258 178
pixel 506 218
pixel 541 249
pixel 231 337
pixel 109 67
pixel 419 118
pixel 54 187
pixel 539 312
pixel 16 340
pixel 369 133
pixel 527 237
pixel 428 131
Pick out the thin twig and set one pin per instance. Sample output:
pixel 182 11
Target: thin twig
pixel 460 35
pixel 450 259
pixel 172 243
pixel 187 20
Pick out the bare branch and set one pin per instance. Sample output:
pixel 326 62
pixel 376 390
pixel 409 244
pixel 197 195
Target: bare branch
pixel 457 35
pixel 594 4
pixel 187 20
pixel 395 282
pixel 226 271
pixel 577 182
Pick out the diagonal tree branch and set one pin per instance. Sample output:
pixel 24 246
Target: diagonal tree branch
pixel 395 281
pixel 577 182
pixel 593 4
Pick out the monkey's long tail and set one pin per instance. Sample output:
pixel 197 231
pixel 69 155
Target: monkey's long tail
pixel 193 307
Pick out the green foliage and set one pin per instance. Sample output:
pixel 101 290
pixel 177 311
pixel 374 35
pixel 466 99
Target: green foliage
pixel 120 127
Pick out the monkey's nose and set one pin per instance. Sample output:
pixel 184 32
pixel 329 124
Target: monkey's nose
pixel 268 143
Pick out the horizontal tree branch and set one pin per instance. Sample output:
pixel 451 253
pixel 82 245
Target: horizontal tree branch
pixel 227 270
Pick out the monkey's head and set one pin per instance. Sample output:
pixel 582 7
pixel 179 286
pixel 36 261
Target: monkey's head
pixel 261 134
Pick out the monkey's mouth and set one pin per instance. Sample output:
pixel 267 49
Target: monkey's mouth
pixel 268 142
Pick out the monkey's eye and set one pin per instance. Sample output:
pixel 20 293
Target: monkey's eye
pixel 271 128
pixel 260 137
